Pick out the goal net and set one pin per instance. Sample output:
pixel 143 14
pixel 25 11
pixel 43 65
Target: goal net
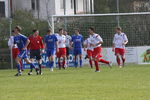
pixel 135 25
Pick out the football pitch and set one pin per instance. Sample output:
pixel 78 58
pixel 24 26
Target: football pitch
pixel 129 83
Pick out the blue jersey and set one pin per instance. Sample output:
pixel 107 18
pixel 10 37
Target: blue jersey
pixel 21 41
pixel 50 41
pixel 77 41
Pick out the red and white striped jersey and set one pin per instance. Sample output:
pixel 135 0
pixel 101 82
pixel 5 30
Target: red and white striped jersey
pixel 61 41
pixel 119 39
pixel 96 38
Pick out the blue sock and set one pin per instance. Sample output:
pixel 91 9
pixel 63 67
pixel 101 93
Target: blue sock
pixel 80 62
pixel 67 62
pixel 75 63
pixel 52 64
pixel 19 68
pixel 32 65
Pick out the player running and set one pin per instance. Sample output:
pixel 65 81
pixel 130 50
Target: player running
pixel 96 42
pixel 51 46
pixel 119 42
pixel 77 41
pixel 22 43
pixel 62 49
pixel 89 50
pixel 68 41
pixel 14 48
pixel 36 47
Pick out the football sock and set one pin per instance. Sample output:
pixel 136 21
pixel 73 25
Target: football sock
pixel 104 61
pixel 19 68
pixel 59 64
pixel 64 62
pixel 96 65
pixel 118 60
pixel 40 67
pixel 32 65
pixel 123 60
pixel 80 62
pixel 75 63
pixel 52 64
pixel 91 63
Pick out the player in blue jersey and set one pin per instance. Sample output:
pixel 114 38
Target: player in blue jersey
pixel 51 45
pixel 77 41
pixel 22 42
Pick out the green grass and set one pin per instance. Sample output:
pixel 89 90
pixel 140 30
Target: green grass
pixel 129 83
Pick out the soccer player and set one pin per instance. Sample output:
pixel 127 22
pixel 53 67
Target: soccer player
pixel 51 46
pixel 36 47
pixel 87 44
pixel 62 49
pixel 22 43
pixel 68 41
pixel 77 41
pixel 119 42
pixel 96 42
pixel 14 48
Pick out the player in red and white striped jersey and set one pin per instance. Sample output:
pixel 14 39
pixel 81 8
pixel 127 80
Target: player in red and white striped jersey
pixel 96 42
pixel 62 48
pixel 119 42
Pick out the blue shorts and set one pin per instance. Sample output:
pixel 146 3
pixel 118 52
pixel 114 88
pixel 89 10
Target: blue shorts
pixel 50 52
pixel 23 54
pixel 77 51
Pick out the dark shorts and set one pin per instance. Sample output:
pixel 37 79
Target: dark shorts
pixel 35 54
pixel 67 51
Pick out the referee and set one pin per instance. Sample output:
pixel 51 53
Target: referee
pixel 36 45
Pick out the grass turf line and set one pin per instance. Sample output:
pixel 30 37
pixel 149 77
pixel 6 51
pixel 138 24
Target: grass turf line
pixel 129 83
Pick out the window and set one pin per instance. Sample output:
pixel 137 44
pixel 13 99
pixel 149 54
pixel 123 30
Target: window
pixel 62 4
pixel 77 3
pixel 35 4
pixel 2 9
pixel 72 4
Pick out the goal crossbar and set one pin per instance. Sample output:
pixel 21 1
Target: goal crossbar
pixel 108 14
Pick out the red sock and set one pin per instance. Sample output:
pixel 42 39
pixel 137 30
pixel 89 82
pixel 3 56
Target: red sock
pixel 104 61
pixel 123 60
pixel 64 62
pixel 118 60
pixel 91 64
pixel 96 65
pixel 59 64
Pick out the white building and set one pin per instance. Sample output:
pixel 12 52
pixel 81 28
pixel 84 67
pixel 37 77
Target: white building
pixel 4 8
pixel 43 8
